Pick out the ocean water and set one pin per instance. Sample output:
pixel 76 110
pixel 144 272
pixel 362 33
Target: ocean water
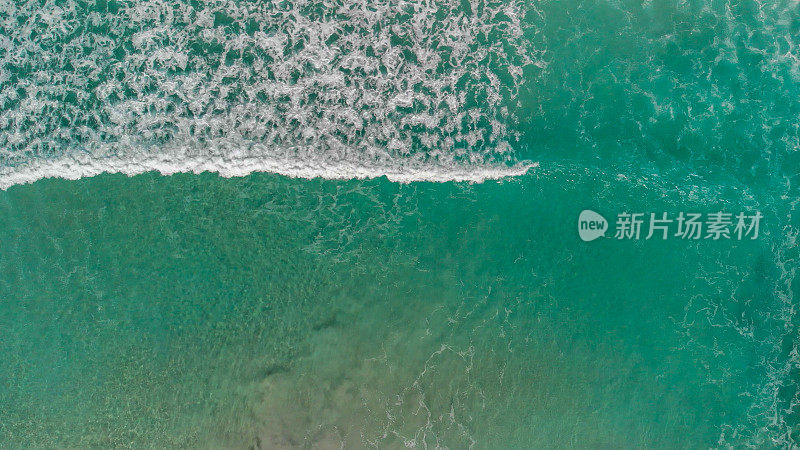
pixel 343 224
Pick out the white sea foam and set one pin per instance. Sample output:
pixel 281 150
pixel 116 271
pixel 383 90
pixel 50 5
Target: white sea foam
pixel 80 166
pixel 410 90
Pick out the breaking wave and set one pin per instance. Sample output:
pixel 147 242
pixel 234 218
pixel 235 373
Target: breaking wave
pixel 305 88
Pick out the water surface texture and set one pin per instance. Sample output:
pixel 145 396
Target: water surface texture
pixel 326 224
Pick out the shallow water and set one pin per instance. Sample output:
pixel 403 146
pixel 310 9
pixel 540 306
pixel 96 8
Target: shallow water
pixel 197 310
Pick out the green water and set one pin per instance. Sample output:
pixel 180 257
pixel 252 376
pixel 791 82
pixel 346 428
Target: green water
pixel 193 310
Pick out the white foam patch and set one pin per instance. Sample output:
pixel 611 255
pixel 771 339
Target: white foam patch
pixel 410 90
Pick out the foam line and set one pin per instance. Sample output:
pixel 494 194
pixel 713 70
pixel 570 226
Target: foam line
pixel 76 167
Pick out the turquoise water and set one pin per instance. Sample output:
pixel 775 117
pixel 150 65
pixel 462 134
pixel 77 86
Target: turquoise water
pixel 359 288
